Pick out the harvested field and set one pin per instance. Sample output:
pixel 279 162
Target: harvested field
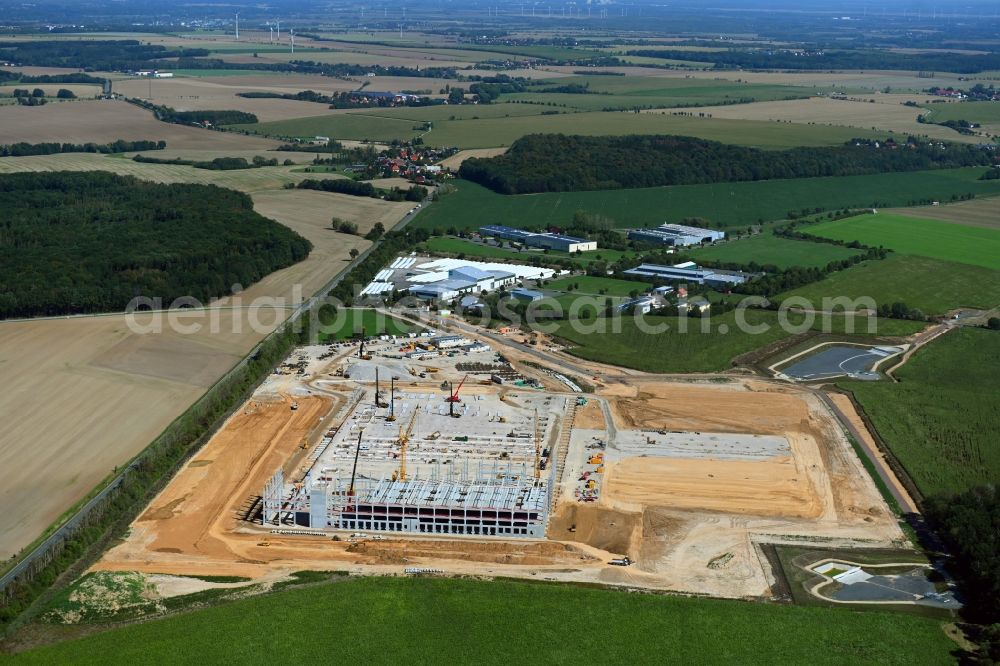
pixel 81 90
pixel 455 161
pixel 315 209
pixel 244 180
pixel 826 111
pixel 109 392
pixel 981 212
pixel 104 121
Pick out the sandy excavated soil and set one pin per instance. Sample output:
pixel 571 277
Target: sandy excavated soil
pixel 104 121
pixel 692 524
pixel 979 212
pixel 826 111
pixel 194 525
pixel 590 417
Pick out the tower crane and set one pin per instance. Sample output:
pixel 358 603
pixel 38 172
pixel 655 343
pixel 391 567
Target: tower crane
pixel 404 440
pixel 538 451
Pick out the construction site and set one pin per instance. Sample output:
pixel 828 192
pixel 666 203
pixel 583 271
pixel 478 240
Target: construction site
pixel 460 452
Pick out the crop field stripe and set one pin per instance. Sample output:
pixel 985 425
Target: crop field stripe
pixel 721 204
pixel 423 612
pixel 910 235
pixel 767 249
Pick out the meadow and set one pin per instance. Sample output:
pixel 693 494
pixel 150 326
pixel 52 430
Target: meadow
pixel 620 627
pixel 910 235
pixel 985 113
pixel 586 284
pixel 764 249
pixel 621 342
pixel 349 322
pixel 931 285
pixel 720 204
pixel 941 418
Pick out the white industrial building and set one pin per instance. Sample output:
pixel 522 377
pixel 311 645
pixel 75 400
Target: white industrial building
pixel 689 272
pixel 679 235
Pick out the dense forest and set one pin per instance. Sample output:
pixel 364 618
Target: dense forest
pixel 73 242
pixel 207 117
pixel 112 55
pixel 119 146
pixel 833 59
pixel 560 163
pixel 970 525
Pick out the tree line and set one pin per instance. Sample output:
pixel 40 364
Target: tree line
pixel 217 164
pixel 208 117
pixel 358 188
pixel 77 242
pixel 118 146
pixel 561 163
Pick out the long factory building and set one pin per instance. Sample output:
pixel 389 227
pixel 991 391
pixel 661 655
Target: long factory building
pixel 541 240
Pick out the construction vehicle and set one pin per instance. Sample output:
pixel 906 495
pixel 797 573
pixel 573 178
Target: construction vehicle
pixel 404 440
pixel 434 435
pixel 454 395
pixel 304 444
pixel 622 562
pixel 264 544
pixel 596 459
pixel 430 369
pixel 295 406
pixel 581 401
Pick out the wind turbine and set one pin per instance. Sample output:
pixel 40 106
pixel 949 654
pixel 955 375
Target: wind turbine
pixel 237 26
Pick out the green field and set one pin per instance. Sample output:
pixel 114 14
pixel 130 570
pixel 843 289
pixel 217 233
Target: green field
pixel 941 420
pixel 768 249
pixel 597 285
pixel 910 235
pixel 974 112
pixel 339 126
pixel 721 204
pixel 465 621
pixel 488 132
pixel 928 284
pixel 691 351
pixel 350 322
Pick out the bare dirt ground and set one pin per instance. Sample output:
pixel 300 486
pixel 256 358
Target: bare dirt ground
pixel 590 417
pixel 979 212
pixel 456 160
pixel 890 115
pixel 693 524
pixel 103 121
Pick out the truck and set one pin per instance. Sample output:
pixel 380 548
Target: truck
pixel 622 562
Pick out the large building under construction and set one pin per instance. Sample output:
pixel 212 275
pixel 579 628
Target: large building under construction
pixel 389 467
